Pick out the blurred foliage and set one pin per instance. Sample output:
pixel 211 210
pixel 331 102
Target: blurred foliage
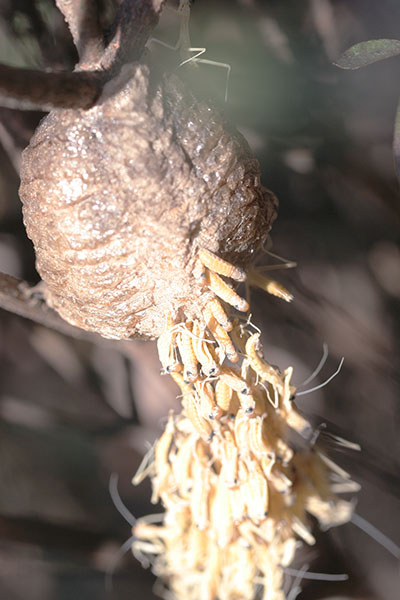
pixel 366 53
pixel 73 411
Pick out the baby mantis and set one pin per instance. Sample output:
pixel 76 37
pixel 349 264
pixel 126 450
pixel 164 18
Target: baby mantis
pixel 187 52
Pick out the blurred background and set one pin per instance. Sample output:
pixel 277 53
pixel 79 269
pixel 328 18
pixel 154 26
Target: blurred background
pixel 73 411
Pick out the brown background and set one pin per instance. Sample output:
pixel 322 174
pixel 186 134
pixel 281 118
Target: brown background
pixel 74 411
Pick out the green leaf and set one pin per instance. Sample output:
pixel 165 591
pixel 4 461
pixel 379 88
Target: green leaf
pixel 366 53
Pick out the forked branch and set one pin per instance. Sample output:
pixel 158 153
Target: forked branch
pixel 134 22
pixel 29 89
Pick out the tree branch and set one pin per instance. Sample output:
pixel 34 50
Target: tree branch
pixel 82 19
pixel 15 297
pixel 130 31
pixel 35 90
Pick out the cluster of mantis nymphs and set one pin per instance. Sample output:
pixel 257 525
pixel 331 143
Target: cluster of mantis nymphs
pixel 238 471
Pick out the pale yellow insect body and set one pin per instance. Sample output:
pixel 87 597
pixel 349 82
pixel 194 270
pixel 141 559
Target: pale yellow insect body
pixel 289 391
pixel 220 266
pixel 239 582
pixel 267 462
pixel 150 532
pixel 242 430
pixel 246 371
pixel 265 371
pixel 141 548
pixel 225 292
pixel 230 453
pixel 302 531
pixel 203 353
pixel 178 510
pixel 189 360
pixel 209 580
pixel 223 395
pixel 269 285
pixel 219 314
pixel 199 500
pixel 221 516
pixel 225 343
pixel 330 514
pixel 257 435
pixel 166 345
pixel 221 336
pixel 279 480
pixel 237 505
pixel 196 548
pixel 255 492
pixel 232 378
pixel 161 462
pixel 207 405
pixel 200 425
pixel 146 467
pixel 297 422
pixel 283 451
pixel 186 388
pixel 181 466
pixel 247 402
